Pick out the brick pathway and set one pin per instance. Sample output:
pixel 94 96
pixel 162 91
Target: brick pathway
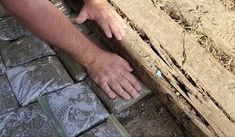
pixel 44 92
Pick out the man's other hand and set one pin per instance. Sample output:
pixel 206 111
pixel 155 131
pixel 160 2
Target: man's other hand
pixel 102 12
pixel 112 74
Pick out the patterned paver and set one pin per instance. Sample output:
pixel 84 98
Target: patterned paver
pixel 2 66
pixel 118 104
pixel 32 71
pixel 3 12
pixel 11 29
pixel 29 121
pixel 76 70
pixel 42 76
pixel 8 101
pixel 77 108
pixel 60 4
pixel 24 50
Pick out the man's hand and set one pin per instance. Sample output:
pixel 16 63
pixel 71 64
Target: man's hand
pixel 109 71
pixel 101 12
pixel 112 74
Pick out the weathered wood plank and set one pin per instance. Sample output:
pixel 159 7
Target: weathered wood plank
pixel 209 76
pixel 209 22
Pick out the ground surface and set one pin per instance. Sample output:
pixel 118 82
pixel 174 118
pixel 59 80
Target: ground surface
pixel 149 118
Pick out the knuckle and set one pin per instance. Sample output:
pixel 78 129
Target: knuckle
pixel 121 91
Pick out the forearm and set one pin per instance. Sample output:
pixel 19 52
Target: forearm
pixel 47 22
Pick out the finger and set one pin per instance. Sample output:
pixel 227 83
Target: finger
pixel 115 28
pixel 109 92
pixel 123 33
pixel 133 81
pixel 82 17
pixel 127 87
pixel 105 27
pixel 121 23
pixel 114 85
pixel 121 20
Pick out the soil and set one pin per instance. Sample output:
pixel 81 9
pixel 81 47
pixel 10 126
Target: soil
pixel 149 118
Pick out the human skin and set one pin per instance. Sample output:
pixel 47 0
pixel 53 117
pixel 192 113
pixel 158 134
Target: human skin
pixel 111 72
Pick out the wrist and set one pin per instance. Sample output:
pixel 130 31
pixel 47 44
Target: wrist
pixel 88 53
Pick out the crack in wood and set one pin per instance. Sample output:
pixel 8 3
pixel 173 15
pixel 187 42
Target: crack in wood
pixel 184 52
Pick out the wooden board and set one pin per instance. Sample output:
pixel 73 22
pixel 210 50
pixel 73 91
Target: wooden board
pixel 194 86
pixel 209 22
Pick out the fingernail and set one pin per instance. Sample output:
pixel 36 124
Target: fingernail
pixel 138 88
pixel 127 97
pixel 136 96
pixel 124 34
pixel 110 36
pixel 119 37
pixel 112 96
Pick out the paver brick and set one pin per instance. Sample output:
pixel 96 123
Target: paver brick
pixel 3 12
pixel 2 66
pixel 111 128
pixel 11 29
pixel 8 101
pixel 82 28
pixel 77 108
pixel 116 105
pixel 24 50
pixel 76 70
pixel 61 5
pixel 32 79
pixel 28 121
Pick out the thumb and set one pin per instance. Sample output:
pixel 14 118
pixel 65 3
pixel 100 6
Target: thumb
pixel 82 17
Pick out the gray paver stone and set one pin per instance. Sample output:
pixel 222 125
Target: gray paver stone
pixel 116 105
pixel 28 121
pixel 8 101
pixel 82 28
pixel 76 70
pixel 95 38
pixel 11 29
pixel 3 12
pixel 61 5
pixel 77 108
pixel 111 128
pixel 24 50
pixel 42 76
pixel 2 66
